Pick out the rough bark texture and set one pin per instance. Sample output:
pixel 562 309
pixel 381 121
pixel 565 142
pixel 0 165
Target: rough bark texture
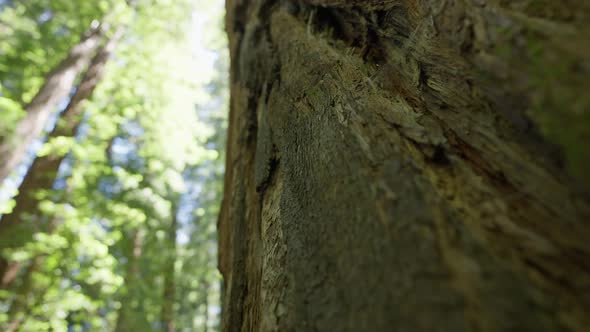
pixel 18 227
pixel 403 165
pixel 55 89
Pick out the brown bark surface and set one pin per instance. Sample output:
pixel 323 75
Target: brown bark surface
pixel 57 86
pixel 407 165
pixel 18 227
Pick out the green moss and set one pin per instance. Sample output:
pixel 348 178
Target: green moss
pixel 560 102
pixel 546 54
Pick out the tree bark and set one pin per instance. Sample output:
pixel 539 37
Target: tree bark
pixel 391 166
pixel 58 84
pixel 17 228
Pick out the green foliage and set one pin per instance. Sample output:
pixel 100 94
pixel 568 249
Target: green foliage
pixel 35 36
pixel 149 151
pixel 12 112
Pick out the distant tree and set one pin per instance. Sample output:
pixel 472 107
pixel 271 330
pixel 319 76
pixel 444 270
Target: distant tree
pixel 58 84
pixel 125 314
pixel 19 226
pixel 167 314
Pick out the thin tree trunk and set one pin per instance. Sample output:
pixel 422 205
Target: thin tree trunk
pixel 17 313
pixel 131 276
pixel 169 295
pixel 206 287
pixel 389 166
pixel 56 88
pixel 16 228
pixel 26 296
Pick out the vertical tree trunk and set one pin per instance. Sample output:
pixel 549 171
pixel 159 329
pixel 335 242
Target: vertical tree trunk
pixel 391 166
pixel 131 277
pixel 206 289
pixel 17 312
pixel 169 295
pixel 56 87
pixel 16 228
pixel 26 295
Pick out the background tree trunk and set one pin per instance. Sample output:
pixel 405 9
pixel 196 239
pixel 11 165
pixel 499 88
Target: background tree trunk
pixel 22 299
pixel 132 276
pixel 206 290
pixel 27 296
pixel 407 165
pixel 169 296
pixel 16 228
pixel 57 86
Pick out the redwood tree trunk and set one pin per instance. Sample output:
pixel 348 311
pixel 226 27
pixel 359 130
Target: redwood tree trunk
pixel 57 86
pixel 407 165
pixel 17 227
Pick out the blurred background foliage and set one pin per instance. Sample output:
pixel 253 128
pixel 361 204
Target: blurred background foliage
pixel 124 238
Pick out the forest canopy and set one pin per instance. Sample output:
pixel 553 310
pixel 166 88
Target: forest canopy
pixel 112 122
